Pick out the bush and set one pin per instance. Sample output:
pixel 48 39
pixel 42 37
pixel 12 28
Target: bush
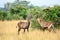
pixel 35 24
pixel 12 17
pixel 3 15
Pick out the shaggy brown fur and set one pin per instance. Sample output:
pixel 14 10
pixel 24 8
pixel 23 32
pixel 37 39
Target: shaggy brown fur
pixel 23 25
pixel 49 25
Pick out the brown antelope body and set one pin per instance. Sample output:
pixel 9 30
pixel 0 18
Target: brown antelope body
pixel 45 24
pixel 23 25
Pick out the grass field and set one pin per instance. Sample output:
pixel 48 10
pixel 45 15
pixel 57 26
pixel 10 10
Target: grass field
pixel 8 31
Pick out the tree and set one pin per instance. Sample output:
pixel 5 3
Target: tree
pixel 3 15
pixel 7 6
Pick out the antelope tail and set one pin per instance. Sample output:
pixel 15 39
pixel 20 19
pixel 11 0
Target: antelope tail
pixel 16 26
pixel 53 28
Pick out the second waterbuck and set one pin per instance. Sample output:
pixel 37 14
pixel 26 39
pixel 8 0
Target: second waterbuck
pixel 45 24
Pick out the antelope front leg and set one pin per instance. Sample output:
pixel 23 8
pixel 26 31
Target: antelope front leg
pixel 19 31
pixel 24 30
pixel 28 29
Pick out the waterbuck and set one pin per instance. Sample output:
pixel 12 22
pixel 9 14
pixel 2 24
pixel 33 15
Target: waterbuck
pixel 23 25
pixel 45 24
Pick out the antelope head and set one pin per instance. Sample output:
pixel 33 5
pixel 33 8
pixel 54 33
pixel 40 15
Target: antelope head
pixel 39 19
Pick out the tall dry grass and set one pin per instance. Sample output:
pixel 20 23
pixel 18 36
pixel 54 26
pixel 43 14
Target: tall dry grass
pixel 8 31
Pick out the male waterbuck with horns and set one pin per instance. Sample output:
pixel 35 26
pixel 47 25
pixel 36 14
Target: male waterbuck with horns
pixel 45 24
pixel 23 25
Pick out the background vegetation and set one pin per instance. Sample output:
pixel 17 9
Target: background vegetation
pixel 23 9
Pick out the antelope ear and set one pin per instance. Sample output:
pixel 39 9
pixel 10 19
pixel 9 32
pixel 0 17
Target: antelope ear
pixel 37 19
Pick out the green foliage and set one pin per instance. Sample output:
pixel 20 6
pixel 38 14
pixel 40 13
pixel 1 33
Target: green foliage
pixel 21 10
pixel 12 17
pixel 36 12
pixel 35 24
pixel 3 15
